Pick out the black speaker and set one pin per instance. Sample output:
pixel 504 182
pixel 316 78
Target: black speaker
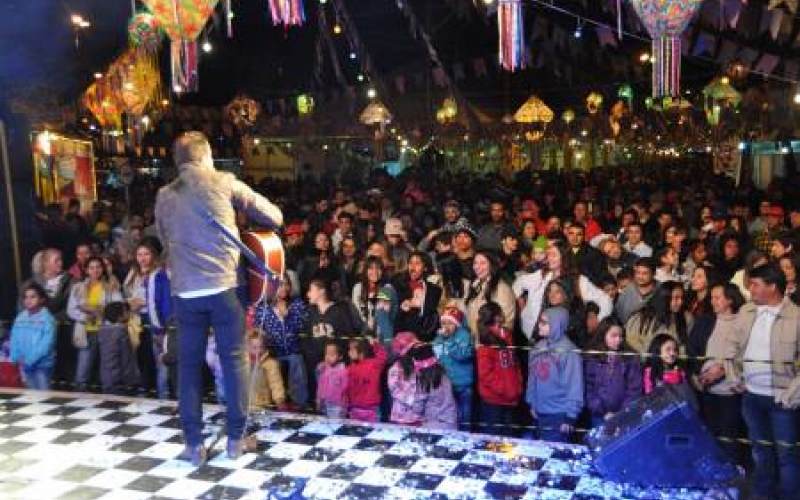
pixel 660 441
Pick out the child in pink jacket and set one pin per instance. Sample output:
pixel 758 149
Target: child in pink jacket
pixel 332 382
pixel 363 397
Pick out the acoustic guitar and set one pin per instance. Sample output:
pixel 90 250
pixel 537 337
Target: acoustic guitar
pixel 266 261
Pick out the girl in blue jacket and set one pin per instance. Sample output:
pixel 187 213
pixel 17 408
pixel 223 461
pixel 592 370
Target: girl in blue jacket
pixel 454 350
pixel 33 338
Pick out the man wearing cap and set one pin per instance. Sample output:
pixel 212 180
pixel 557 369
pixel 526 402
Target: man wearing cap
pixel 399 249
pixel 203 266
pixel 763 240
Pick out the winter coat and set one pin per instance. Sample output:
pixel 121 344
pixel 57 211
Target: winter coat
pixel 611 383
pixel 267 389
pixel 456 354
pixel 282 335
pixel 503 296
pixel 499 374
pixel 412 406
pixel 331 383
pixel 364 379
pixel 33 338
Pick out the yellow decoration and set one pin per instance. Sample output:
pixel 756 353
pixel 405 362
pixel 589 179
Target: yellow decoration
pixel 534 111
pixel 375 114
pixel 593 102
pixel 568 116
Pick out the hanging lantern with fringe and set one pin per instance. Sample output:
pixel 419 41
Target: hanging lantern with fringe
pixel 182 21
pixel 666 20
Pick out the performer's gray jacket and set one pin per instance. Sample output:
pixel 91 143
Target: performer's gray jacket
pixel 198 256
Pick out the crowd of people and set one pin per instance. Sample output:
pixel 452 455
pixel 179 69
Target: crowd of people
pixel 547 303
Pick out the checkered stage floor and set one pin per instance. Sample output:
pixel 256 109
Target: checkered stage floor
pixel 81 447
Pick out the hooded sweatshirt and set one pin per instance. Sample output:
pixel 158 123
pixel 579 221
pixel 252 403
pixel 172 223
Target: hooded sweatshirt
pixel 499 375
pixel 555 384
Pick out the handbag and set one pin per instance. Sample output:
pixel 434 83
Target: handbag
pixel 79 340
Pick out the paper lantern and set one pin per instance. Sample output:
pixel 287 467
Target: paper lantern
pixel 143 32
pixel 534 111
pixel 665 21
pixel 242 112
pixel 568 116
pixel 716 95
pixel 512 37
pixel 375 114
pixel 305 104
pixel 625 92
pixel 594 102
pixel 182 21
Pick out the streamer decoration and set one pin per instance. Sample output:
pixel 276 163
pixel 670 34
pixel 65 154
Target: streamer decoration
pixel 512 35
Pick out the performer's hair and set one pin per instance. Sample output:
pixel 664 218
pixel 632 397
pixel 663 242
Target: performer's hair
pixel 189 147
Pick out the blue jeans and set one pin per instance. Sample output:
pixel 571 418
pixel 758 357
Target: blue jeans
pixel 463 399
pixel 497 419
pixel 223 312
pixel 550 427
pixel 87 359
pixel 298 382
pixel 38 378
pixel 777 468
pixel 162 372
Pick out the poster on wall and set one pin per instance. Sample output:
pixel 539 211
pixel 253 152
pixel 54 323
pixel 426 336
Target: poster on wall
pixel 64 169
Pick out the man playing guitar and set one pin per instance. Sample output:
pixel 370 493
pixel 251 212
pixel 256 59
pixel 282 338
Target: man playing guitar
pixel 203 268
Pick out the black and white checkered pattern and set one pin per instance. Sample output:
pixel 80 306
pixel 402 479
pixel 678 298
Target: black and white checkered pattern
pixel 85 447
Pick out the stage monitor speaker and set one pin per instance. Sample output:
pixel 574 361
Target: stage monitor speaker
pixel 659 441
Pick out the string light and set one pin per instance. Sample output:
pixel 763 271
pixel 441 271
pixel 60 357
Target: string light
pixel 353 56
pixel 644 57
pixel 797 98
pixel 579 29
pixel 337 29
pixel 360 77
pixel 98 76
pixel 207 47
pixel 371 93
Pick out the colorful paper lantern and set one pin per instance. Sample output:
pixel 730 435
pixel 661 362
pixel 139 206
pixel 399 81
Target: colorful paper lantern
pixel 182 21
pixel 375 114
pixel 143 32
pixel 665 21
pixel 305 104
pixel 716 95
pixel 243 112
pixel 512 37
